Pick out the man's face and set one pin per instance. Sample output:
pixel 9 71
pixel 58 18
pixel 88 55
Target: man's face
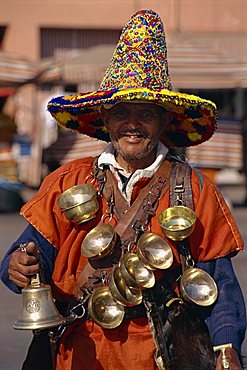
pixel 135 129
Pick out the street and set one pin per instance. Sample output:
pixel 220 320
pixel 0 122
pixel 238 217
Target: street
pixel 14 343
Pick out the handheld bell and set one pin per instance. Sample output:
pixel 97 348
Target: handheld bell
pixel 38 310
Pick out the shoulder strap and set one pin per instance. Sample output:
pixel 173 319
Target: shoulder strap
pixel 180 184
pixel 200 177
pixel 181 193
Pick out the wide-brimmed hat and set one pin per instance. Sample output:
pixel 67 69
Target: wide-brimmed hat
pixel 139 72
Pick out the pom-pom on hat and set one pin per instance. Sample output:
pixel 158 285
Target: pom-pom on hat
pixel 139 72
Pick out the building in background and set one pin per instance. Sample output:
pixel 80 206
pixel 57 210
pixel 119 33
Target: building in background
pixel 50 47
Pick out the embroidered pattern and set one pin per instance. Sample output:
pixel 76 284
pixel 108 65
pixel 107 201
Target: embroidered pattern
pixel 139 71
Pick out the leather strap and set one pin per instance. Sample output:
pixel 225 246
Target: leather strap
pixel 139 212
pixel 180 184
pixel 111 192
pixel 144 206
pixel 181 194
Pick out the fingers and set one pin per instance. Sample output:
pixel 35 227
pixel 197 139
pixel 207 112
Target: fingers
pixel 19 279
pixel 23 264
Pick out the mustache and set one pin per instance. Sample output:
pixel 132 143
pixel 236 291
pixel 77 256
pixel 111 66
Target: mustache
pixel 138 132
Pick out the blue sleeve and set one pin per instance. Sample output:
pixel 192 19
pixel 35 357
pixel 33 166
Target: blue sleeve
pixel 227 320
pixel 47 257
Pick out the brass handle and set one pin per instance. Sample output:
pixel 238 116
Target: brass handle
pixel 224 360
pixel 35 280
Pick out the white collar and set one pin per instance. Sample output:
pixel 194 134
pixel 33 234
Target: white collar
pixel 108 158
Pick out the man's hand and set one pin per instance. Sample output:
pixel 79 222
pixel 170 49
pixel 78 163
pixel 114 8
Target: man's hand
pixel 233 358
pixel 23 265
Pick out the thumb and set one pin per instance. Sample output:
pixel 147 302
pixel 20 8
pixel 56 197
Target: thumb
pixel 32 250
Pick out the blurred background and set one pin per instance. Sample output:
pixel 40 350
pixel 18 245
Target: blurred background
pixel 52 47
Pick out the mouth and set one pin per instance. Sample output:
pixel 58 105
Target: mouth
pixel 132 135
pixel 132 138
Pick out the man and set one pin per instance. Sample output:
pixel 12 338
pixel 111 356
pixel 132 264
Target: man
pixel 139 113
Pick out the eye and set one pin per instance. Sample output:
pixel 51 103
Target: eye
pixel 148 115
pixel 118 114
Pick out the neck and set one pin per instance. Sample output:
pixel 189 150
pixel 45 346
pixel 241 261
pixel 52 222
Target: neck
pixel 131 165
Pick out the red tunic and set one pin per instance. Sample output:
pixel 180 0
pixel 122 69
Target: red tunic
pixel 86 345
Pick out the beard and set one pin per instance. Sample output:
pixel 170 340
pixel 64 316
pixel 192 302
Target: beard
pixel 149 147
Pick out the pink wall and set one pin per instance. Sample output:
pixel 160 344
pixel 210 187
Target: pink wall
pixel 25 17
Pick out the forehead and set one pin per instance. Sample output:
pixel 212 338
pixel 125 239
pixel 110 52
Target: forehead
pixel 136 107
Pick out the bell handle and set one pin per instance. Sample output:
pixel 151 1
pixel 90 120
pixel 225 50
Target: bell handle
pixel 224 360
pixel 35 280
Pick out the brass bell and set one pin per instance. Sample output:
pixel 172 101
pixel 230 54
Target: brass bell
pixel 38 310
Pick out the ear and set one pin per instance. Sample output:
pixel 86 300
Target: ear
pixel 105 116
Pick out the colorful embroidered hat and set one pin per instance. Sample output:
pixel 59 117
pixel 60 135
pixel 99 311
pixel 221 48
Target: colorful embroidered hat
pixel 139 71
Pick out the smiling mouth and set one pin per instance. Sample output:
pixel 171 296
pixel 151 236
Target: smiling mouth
pixel 127 136
pixel 132 135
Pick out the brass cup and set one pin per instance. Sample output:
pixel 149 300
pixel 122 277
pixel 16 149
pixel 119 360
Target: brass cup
pixel 104 310
pixel 154 251
pixel 99 242
pixel 79 203
pixel 178 222
pixel 135 273
pixel 197 286
pixel 122 293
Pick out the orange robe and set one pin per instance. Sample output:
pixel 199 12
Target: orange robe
pixel 85 345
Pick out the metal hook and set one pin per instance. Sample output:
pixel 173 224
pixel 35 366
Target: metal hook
pixel 189 261
pixel 106 216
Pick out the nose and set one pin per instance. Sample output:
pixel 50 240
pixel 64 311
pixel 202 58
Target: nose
pixel 133 121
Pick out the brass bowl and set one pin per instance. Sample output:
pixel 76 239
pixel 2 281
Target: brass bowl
pixel 135 273
pixel 121 292
pixel 104 310
pixel 154 251
pixel 198 287
pixel 178 222
pixel 79 203
pixel 99 242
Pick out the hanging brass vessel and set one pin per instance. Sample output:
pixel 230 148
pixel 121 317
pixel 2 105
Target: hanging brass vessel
pixel 197 286
pixel 154 251
pixel 135 273
pixel 99 242
pixel 121 292
pixel 79 203
pixel 178 222
pixel 104 310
